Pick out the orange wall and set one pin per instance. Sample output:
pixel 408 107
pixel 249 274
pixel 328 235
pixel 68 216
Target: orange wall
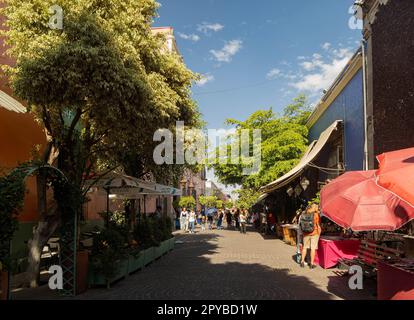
pixel 19 134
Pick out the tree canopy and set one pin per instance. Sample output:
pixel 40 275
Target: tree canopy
pixel 103 84
pixel 284 139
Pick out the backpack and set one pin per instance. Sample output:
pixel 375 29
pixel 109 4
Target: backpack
pixel 307 223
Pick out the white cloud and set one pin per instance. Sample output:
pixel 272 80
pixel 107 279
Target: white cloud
pixel 326 46
pixel 191 37
pixel 206 27
pixel 273 74
pixel 320 72
pixel 228 51
pixel 205 78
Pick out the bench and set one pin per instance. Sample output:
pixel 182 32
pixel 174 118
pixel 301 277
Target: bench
pixel 369 254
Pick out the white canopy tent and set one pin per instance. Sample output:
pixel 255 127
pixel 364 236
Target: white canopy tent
pixel 120 186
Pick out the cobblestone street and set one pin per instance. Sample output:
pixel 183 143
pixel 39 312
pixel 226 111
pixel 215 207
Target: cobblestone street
pixel 225 265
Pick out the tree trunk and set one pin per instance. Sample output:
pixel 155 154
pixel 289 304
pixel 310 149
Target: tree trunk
pixel 47 224
pixel 42 233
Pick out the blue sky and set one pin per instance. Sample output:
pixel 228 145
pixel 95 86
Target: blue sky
pixel 259 54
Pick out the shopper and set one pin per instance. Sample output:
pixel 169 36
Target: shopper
pixel 183 219
pixel 210 221
pixel 243 221
pixel 203 223
pixel 309 223
pixel 191 221
pixel 220 219
pixel 228 218
pixel 237 219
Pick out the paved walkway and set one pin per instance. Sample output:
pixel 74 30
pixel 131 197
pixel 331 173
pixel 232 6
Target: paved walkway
pixel 227 265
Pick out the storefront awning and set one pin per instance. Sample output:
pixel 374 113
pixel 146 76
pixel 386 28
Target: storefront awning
pixel 261 198
pixel 123 186
pixel 311 153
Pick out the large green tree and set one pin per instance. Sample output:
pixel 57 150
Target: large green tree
pixel 101 86
pixel 284 139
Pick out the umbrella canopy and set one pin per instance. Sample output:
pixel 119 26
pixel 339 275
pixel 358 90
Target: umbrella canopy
pixel 354 201
pixel 396 173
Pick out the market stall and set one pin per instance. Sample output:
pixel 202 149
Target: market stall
pixel 331 249
pixel 395 280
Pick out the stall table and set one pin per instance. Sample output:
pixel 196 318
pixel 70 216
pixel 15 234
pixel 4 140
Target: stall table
pixel 395 281
pixel 332 249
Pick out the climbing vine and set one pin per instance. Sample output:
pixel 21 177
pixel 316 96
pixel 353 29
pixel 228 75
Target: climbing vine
pixel 12 192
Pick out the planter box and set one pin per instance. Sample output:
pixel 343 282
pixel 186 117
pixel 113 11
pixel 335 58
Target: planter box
pixel 158 251
pixel 171 243
pixel 99 279
pixel 149 255
pixel 135 262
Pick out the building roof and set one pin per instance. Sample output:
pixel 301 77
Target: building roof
pixel 10 103
pixel 346 75
pixel 168 32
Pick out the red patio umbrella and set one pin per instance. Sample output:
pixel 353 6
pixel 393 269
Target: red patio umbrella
pixel 396 173
pixel 355 201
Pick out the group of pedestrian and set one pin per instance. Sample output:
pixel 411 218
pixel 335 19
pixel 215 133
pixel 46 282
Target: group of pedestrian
pixel 235 218
pixel 187 220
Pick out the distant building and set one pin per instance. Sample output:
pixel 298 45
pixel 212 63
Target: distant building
pixel 168 32
pixel 213 190
pixel 194 184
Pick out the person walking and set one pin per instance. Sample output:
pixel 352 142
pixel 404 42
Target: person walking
pixel 191 221
pixel 183 219
pixel 220 219
pixel 210 221
pixel 309 223
pixel 203 223
pixel 228 218
pixel 237 219
pixel 243 221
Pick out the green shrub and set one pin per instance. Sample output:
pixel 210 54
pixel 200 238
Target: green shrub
pixel 108 249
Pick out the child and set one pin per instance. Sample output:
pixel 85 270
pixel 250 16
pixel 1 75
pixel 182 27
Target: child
pixel 203 223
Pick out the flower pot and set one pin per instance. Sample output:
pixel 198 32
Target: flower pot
pixel 4 282
pixel 82 264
